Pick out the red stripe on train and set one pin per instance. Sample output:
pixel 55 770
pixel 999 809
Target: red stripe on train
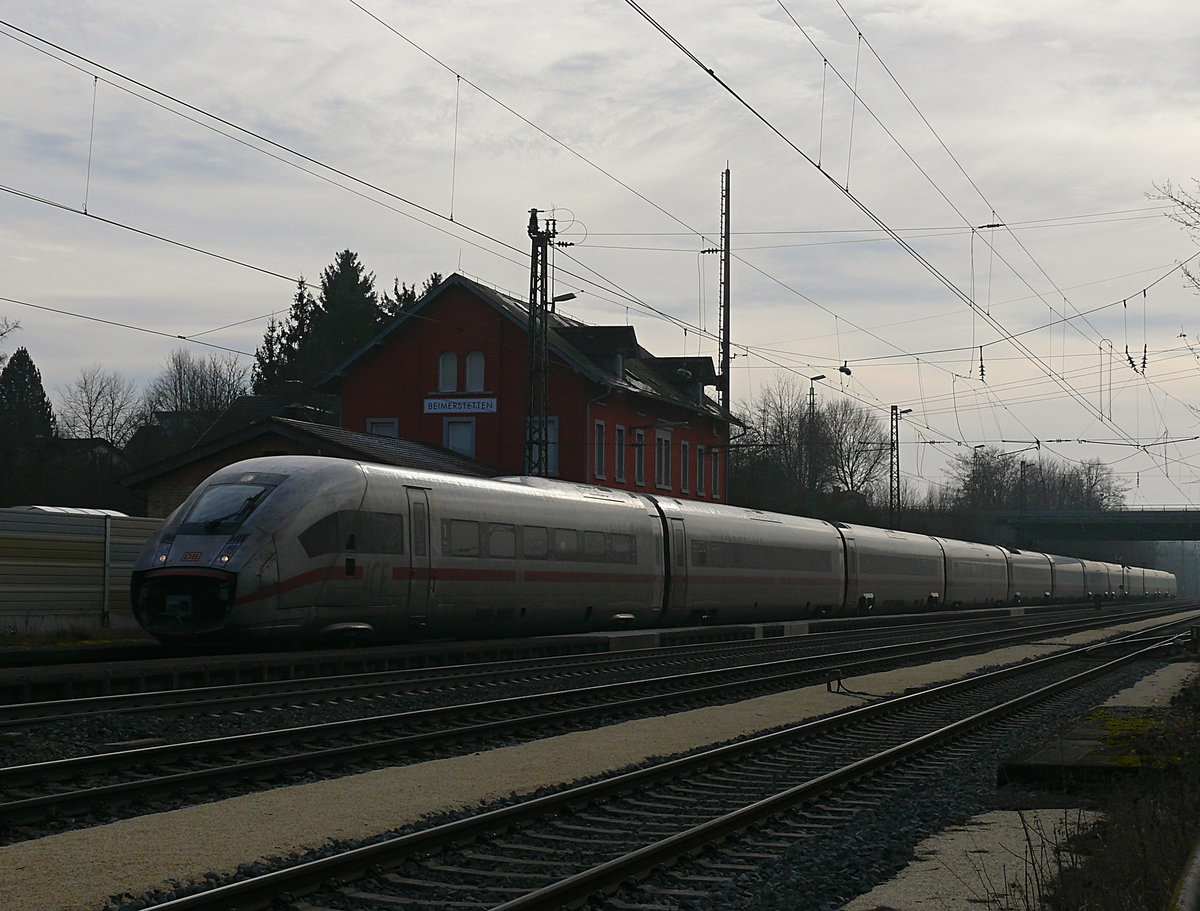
pixel 508 575
pixel 312 577
pixel 565 576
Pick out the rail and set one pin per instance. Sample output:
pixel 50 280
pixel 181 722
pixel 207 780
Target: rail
pixel 601 880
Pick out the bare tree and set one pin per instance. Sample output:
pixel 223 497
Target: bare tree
pixel 858 446
pixel 99 403
pixel 192 392
pixel 1186 213
pixel 6 326
pixel 990 478
pixel 827 461
pixel 770 470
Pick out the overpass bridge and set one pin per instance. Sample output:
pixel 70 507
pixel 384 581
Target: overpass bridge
pixel 1153 523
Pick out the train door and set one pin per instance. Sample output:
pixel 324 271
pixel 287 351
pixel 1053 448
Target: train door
pixel 420 571
pixel 850 592
pixel 678 570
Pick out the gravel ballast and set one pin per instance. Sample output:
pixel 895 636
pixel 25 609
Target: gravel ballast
pixel 86 868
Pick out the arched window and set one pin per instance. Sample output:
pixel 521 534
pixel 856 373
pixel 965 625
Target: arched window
pixel 448 372
pixel 475 371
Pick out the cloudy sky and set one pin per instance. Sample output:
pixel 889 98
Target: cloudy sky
pixel 419 134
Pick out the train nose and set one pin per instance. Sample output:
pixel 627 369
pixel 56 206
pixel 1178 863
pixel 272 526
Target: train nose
pixel 174 601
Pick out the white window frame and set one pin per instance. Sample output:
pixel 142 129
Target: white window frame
pixel 662 459
pixel 384 427
pixel 716 474
pixel 447 423
pixel 475 371
pixel 684 453
pixel 639 457
pixel 598 450
pixel 699 471
pixel 619 453
pixel 447 375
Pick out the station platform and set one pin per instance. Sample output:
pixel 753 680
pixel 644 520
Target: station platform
pixel 1102 746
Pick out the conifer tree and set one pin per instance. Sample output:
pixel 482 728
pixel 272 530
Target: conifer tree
pixel 277 362
pixel 320 332
pixel 404 295
pixel 347 312
pixel 25 411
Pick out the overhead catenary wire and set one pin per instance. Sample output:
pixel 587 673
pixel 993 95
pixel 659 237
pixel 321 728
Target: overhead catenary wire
pixel 397 197
pixel 281 147
pixel 860 39
pixel 956 162
pixel 933 270
pixel 832 313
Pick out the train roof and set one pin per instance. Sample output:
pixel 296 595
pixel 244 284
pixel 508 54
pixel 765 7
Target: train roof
pixel 72 511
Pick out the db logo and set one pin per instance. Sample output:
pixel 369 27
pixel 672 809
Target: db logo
pixel 192 556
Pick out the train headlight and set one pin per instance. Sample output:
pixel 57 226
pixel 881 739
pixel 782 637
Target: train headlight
pixel 164 549
pixel 230 548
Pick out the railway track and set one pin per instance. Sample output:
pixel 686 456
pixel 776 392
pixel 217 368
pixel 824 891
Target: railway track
pixel 370 685
pixel 97 785
pixel 681 831
pixel 54 674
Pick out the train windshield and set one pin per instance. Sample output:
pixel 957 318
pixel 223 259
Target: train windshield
pixel 223 507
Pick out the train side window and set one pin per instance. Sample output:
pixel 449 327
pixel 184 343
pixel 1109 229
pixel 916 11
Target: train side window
pixel 535 542
pixel 501 541
pixel 566 544
pixel 725 553
pixel 594 550
pixel 622 548
pixel 420 529
pixel 460 538
pixel 381 533
pixel 699 553
pixel 321 537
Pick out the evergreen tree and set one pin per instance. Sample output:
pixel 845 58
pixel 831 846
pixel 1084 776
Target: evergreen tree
pixel 347 312
pixel 319 333
pixel 25 412
pixel 404 295
pixel 268 358
pixel 277 362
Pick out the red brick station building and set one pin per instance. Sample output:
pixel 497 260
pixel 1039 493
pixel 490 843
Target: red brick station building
pixel 452 371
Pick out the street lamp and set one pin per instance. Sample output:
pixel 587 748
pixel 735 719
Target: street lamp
pixel 894 467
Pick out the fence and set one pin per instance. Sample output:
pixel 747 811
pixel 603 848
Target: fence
pixel 67 573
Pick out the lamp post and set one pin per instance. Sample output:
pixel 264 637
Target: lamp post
pixel 810 439
pixel 894 467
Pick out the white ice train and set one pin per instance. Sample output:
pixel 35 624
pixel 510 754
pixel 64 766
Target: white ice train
pixel 298 547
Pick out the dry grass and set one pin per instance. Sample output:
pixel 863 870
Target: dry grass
pixel 1129 859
